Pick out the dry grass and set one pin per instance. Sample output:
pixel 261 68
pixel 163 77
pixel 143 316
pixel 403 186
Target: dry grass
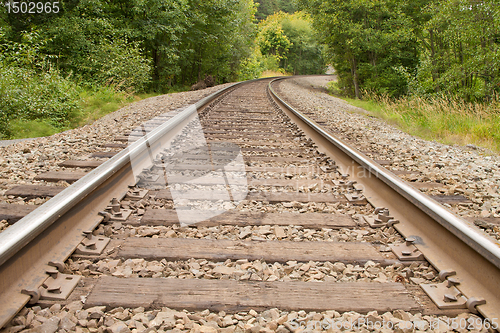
pixel 449 120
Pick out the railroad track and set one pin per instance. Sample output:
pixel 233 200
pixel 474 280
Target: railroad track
pixel 235 205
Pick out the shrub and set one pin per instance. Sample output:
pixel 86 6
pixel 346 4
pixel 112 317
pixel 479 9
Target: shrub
pixel 118 64
pixel 26 95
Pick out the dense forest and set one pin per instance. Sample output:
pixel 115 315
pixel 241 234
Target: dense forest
pixel 266 8
pixel 50 58
pixel 418 47
pixel 53 61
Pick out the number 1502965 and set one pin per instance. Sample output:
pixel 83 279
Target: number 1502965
pixel 16 7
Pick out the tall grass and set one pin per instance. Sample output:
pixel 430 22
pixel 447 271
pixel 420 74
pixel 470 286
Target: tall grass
pixel 450 120
pixel 446 119
pixel 22 129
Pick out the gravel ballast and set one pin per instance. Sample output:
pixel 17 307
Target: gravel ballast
pixel 21 161
pixel 469 171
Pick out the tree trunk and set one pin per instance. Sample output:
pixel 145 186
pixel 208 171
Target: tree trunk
pixel 156 61
pixel 200 55
pixel 433 55
pixel 355 78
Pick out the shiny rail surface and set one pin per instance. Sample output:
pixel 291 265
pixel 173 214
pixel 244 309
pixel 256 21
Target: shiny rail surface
pixel 54 230
pixel 446 240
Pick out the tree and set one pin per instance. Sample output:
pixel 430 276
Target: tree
pixel 367 41
pixel 290 39
pixel 461 49
pixel 305 53
pixel 266 8
pixel 219 39
pixel 159 26
pixel 94 44
pixel 269 7
pixel 423 47
pixel 273 41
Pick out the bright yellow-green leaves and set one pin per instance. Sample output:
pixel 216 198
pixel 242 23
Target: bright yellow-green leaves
pixel 289 39
pixel 272 40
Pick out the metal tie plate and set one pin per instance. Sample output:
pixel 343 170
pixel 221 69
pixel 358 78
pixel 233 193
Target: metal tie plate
pixel 445 295
pixel 407 251
pixel 92 245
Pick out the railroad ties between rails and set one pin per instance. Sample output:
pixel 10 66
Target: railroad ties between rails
pixel 290 184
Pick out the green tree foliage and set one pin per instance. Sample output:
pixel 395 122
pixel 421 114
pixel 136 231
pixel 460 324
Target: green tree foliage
pixel 305 53
pixel 219 39
pixel 17 23
pixel 367 42
pixel 146 44
pixel 273 40
pixel 269 7
pixel 159 25
pixel 119 63
pixel 422 47
pixel 27 53
pixel 266 8
pixel 287 6
pixel 291 41
pixel 128 43
pixel 460 50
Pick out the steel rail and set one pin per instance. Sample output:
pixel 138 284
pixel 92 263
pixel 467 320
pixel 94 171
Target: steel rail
pixel 18 235
pixel 468 235
pixel 459 227
pixel 66 206
pixel 27 246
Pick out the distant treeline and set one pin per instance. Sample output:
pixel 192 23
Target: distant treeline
pixel 49 59
pixel 142 44
pixel 448 48
pixel 266 8
pixel 149 45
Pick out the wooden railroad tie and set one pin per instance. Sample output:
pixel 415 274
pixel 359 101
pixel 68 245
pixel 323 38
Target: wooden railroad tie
pixel 235 296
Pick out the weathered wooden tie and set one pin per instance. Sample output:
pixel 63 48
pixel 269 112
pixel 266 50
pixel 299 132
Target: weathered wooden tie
pixel 269 251
pixel 235 296
pixel 105 154
pixel 114 145
pixel 13 212
pixel 272 197
pixel 451 199
pixel 80 164
pixel 55 176
pixel 242 219
pixel 34 191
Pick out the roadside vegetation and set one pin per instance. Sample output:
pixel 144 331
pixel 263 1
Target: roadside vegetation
pixel 449 120
pixel 432 67
pixel 62 70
